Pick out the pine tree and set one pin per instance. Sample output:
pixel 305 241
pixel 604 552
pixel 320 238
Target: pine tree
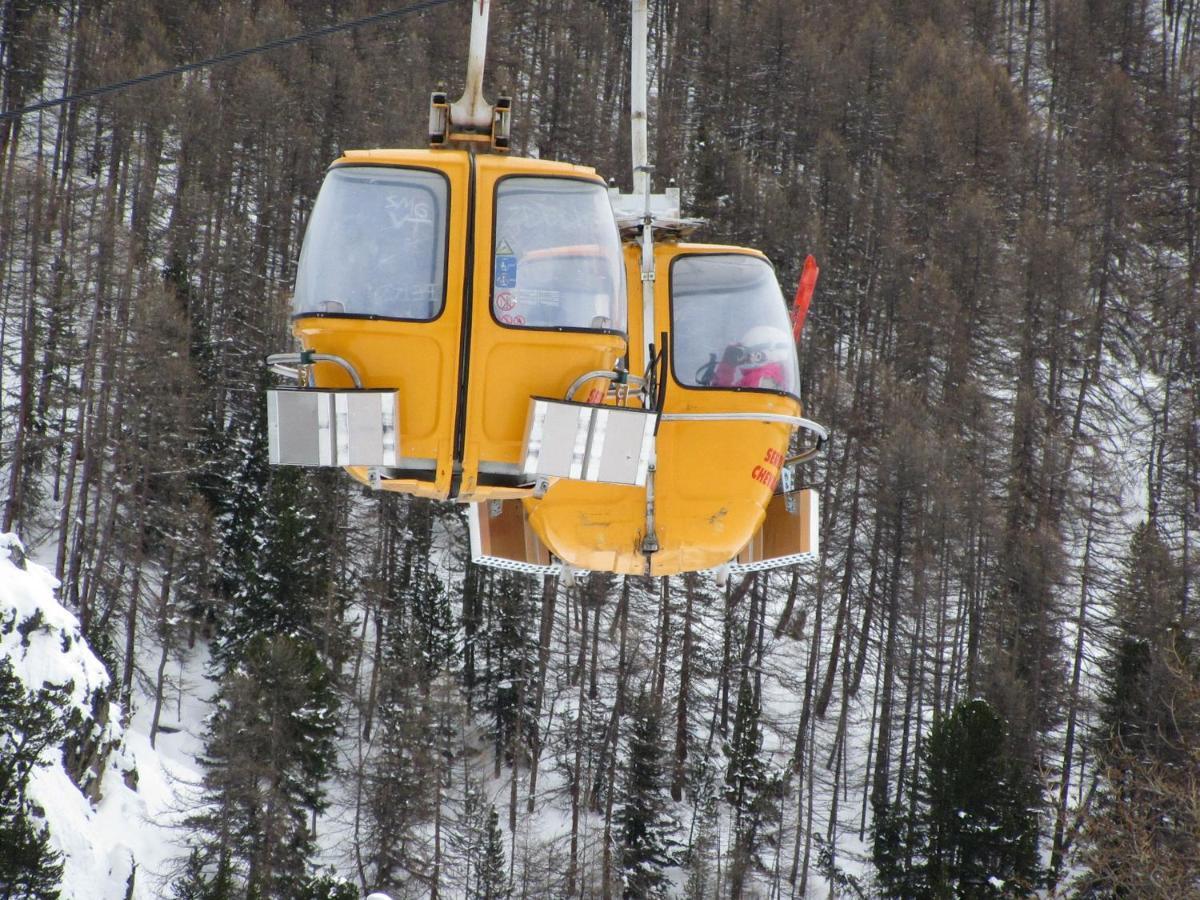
pixel 1136 715
pixel 509 661
pixel 280 573
pixel 268 754
pixel 973 827
pixel 195 883
pixel 492 882
pixel 30 868
pixel 891 837
pixel 1142 830
pixel 466 830
pixel 753 789
pixel 398 786
pixel 977 808
pixel 701 855
pixel 646 827
pixel 328 886
pixel 30 722
pixel 277 534
pixel 1141 833
pixel 233 478
pixel 1147 596
pixel 432 639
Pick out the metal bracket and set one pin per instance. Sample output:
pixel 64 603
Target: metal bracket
pixel 787 484
pixel 470 117
pixel 281 363
pixel 650 541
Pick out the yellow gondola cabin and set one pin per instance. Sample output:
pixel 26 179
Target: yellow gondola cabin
pixel 465 333
pixel 729 407
pixel 465 283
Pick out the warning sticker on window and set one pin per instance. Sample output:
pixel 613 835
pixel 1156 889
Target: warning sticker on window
pixel 506 271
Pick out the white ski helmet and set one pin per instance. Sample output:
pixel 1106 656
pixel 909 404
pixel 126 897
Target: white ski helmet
pixel 766 344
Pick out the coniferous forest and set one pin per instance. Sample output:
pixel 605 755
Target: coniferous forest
pixel 986 686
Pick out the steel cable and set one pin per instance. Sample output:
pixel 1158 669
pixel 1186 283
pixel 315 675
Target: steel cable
pixel 223 58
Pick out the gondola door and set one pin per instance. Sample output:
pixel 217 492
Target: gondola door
pixel 380 286
pixel 547 305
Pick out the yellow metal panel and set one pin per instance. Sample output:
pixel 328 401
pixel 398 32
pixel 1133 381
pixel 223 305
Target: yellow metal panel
pixel 592 526
pixel 533 364
pixel 419 359
pixel 509 365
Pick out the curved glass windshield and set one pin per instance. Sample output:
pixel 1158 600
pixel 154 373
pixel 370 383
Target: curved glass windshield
pixel 375 245
pixel 557 256
pixel 729 325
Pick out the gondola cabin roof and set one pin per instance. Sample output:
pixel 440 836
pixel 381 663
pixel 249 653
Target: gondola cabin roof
pixel 437 158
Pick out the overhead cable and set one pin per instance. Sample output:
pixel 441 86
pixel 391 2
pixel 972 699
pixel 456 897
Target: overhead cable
pixel 223 58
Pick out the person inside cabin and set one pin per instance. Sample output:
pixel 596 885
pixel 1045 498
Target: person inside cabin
pixel 730 325
pixel 759 360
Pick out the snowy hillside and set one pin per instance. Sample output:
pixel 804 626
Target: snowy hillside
pixel 105 794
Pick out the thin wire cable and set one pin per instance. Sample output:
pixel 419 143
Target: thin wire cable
pixel 223 58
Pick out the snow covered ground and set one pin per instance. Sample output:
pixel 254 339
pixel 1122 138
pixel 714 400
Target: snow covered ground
pixel 126 839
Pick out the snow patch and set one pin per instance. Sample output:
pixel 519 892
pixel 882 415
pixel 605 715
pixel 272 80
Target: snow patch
pixel 125 839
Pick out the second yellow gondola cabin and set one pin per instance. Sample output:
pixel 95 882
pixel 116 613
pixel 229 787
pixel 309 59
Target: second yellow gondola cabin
pixel 730 404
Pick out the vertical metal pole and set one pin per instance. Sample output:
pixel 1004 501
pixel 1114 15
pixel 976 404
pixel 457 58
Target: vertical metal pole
pixel 637 97
pixel 641 160
pixel 641 185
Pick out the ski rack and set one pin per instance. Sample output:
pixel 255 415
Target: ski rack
pixel 501 538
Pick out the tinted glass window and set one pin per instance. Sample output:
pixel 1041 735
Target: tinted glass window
pixel 557 256
pixel 375 245
pixel 730 326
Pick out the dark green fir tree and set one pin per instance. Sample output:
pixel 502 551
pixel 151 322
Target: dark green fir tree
pixel 646 826
pixel 972 830
pixel 492 883
pixel 891 837
pixel 29 866
pixel 30 722
pixel 978 807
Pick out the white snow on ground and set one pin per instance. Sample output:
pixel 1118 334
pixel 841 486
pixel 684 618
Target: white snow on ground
pixel 128 832
pixel 39 657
